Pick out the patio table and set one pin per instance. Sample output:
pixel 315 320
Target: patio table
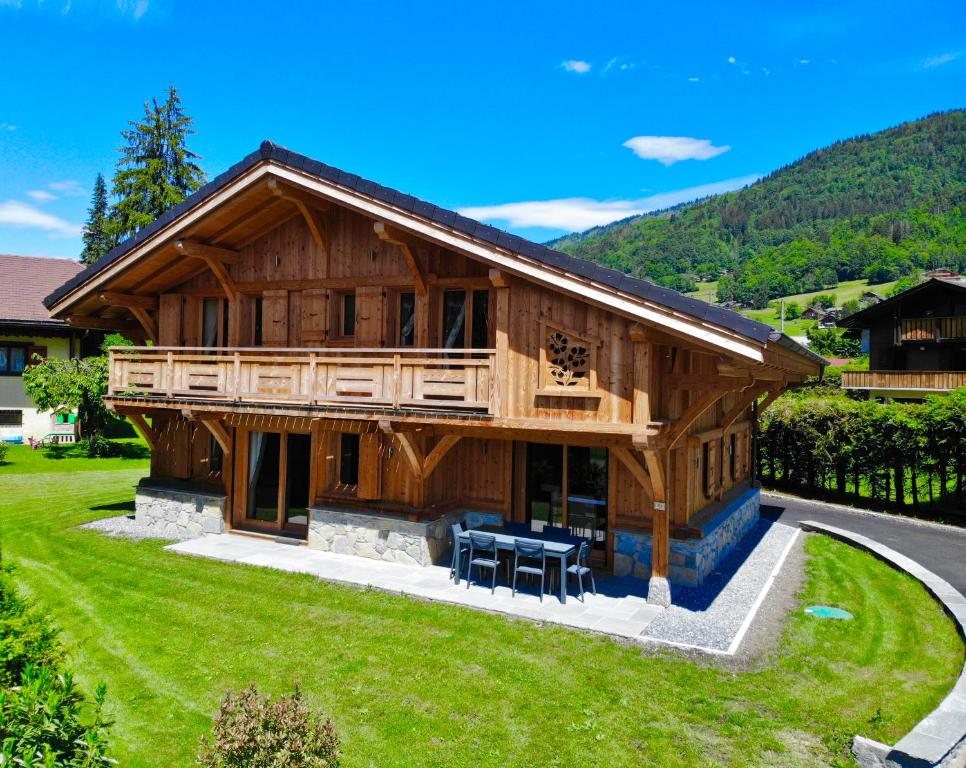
pixel 505 541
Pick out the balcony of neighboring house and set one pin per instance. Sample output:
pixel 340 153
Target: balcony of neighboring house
pixel 451 382
pixel 931 329
pixel 903 384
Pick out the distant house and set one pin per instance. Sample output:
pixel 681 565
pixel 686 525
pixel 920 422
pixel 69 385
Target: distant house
pixel 872 297
pixel 940 274
pixel 814 312
pixel 26 329
pixel 916 342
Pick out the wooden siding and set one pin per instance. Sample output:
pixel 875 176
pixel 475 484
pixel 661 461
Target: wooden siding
pixel 935 381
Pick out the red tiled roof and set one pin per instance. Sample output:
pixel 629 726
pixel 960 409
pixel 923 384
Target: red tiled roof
pixel 26 280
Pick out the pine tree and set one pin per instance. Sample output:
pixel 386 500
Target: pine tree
pixel 156 170
pixel 97 236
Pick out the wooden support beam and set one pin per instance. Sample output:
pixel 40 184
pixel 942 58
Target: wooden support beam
pixel 144 429
pixel 308 206
pixel 220 272
pixel 407 245
pixel 147 322
pixel 203 250
pixel 436 455
pixel 773 395
pixel 498 279
pixel 128 300
pixel 708 381
pixel 102 323
pixel 220 434
pixel 636 469
pixel 693 411
pixel 412 453
pixel 745 399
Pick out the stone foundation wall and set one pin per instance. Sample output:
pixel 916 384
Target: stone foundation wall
pixel 388 537
pixel 179 514
pixel 692 560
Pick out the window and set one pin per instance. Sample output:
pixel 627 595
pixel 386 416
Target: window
pixel 407 320
pixel 457 306
pixel 13 359
pixel 209 323
pixel 217 461
pixel 733 455
pixel 454 319
pixel 257 334
pixel 349 459
pixel 480 336
pixel 346 319
pixel 11 418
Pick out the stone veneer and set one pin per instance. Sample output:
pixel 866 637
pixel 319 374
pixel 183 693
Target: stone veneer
pixel 692 560
pixel 388 537
pixel 177 514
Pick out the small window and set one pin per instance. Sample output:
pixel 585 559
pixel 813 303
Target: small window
pixel 349 459
pixel 347 315
pixel 454 320
pixel 706 469
pixel 209 323
pixel 481 320
pixel 407 319
pixel 12 360
pixel 733 456
pixel 217 461
pixel 257 335
pixel 11 418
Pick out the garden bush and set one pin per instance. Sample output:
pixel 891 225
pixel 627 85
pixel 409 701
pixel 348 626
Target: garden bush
pixel 3 453
pixel 45 720
pixel 253 731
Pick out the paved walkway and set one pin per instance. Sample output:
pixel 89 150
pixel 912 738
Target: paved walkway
pixel 940 548
pixel 619 607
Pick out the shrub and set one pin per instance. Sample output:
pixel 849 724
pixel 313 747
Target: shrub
pixel 99 446
pixel 41 723
pixel 3 453
pixel 253 731
pixel 26 637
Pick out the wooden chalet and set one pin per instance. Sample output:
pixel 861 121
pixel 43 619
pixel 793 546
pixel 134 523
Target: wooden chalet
pixel 336 361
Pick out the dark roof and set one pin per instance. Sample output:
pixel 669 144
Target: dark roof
pixel 268 150
pixel 24 281
pixel 866 317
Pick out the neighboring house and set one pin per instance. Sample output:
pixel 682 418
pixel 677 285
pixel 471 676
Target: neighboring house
pixel 27 329
pixel 916 342
pixel 941 273
pixel 345 364
pixel 814 312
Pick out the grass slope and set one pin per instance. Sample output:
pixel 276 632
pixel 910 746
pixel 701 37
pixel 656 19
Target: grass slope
pixel 411 683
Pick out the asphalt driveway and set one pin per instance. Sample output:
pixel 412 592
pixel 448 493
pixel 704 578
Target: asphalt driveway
pixel 941 549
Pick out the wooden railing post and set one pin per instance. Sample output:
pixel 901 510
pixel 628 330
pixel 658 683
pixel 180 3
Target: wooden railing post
pixel 236 378
pixel 312 376
pixel 397 384
pixel 169 378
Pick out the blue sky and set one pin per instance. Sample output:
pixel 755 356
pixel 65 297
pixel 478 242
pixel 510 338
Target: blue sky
pixel 539 117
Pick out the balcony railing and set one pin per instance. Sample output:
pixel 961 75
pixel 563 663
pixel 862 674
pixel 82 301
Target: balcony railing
pixel 932 329
pixel 920 381
pixel 446 379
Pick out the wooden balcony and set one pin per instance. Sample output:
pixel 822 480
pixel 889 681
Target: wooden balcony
pixel 932 329
pixel 450 379
pixel 908 381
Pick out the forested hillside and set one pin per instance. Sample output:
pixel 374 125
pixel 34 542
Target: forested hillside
pixel 879 207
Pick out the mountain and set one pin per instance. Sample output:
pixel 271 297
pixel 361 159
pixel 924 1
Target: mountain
pixel 879 206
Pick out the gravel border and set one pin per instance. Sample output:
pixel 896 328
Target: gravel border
pixel 709 617
pixel 124 527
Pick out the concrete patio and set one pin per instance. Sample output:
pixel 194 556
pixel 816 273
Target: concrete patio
pixel 619 608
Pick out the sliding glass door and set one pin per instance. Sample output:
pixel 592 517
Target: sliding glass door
pixel 277 482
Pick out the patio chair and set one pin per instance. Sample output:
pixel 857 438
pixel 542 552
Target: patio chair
pixel 482 555
pixel 557 533
pixel 517 529
pixel 458 546
pixel 582 568
pixel 529 551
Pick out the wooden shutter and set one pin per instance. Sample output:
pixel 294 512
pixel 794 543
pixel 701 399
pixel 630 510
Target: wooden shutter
pixel 169 319
pixel 275 318
pixel 314 316
pixel 191 322
pixel 370 466
pixel 370 317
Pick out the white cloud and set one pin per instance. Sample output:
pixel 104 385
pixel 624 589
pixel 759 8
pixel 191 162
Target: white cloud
pixel 11 3
pixel 943 58
pixel 17 214
pixel 68 187
pixel 137 8
pixel 672 149
pixel 694 79
pixel 804 61
pixel 7 126
pixel 41 195
pixel 576 65
pixel 731 59
pixel 575 214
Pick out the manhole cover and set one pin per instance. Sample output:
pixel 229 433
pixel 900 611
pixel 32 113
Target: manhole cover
pixel 827 612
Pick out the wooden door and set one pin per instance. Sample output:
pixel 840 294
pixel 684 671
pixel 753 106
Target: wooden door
pixel 370 317
pixel 315 305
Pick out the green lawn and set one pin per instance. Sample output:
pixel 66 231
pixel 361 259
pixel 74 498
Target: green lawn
pixel 21 459
pixel 411 683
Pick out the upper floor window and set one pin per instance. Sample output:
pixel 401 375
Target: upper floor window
pixel 465 322
pixel 13 359
pixel 406 322
pixel 346 308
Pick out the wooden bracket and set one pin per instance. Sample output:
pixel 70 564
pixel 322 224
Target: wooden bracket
pixel 413 454
pixel 201 250
pixel 220 434
pixel 773 395
pixel 128 300
pixel 406 244
pixel 499 279
pixel 745 399
pixel 639 333
pixel 636 469
pixel 144 429
pixel 308 206
pixel 439 451
pixel 693 411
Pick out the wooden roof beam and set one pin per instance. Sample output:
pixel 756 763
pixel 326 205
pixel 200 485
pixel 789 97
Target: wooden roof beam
pixel 128 300
pixel 201 250
pixel 308 206
pixel 406 244
pixel 102 323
